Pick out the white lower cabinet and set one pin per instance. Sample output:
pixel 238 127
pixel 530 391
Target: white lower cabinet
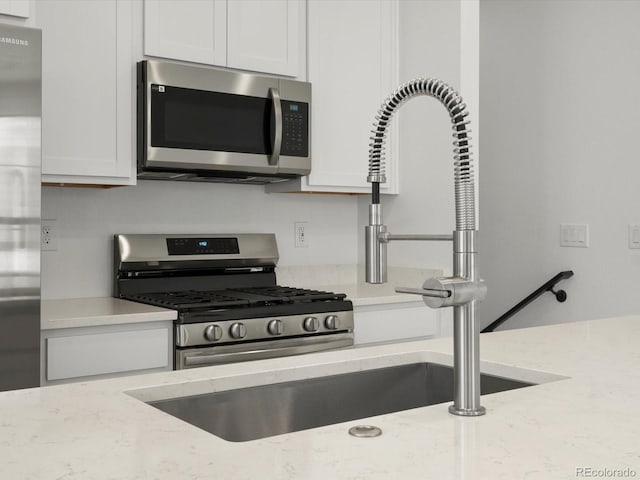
pixel 397 321
pixel 74 354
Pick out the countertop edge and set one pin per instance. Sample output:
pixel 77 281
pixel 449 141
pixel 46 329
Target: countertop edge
pixel 99 311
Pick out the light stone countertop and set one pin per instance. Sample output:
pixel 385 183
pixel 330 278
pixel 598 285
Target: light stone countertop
pixel 96 430
pixel 364 294
pixel 87 312
pixel 349 279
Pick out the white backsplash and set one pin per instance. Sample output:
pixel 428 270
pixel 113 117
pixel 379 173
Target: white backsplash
pixel 88 218
pixel 313 276
pixel 310 276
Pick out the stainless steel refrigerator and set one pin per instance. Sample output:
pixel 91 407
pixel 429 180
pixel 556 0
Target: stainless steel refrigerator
pixel 20 167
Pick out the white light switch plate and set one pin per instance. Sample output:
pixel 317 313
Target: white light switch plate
pixel 574 235
pixel 634 236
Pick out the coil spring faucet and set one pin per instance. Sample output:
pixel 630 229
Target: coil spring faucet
pixel 464 289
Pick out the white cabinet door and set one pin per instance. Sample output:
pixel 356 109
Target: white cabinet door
pixel 87 91
pixel 105 351
pixel 257 35
pixel 385 323
pixel 352 66
pixel 263 35
pixel 15 8
pixel 190 30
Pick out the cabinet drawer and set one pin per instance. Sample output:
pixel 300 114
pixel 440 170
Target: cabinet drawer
pixel 395 322
pixel 106 353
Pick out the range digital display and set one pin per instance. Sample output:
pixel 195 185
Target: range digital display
pixel 203 246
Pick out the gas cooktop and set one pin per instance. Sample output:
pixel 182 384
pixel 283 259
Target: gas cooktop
pixel 229 304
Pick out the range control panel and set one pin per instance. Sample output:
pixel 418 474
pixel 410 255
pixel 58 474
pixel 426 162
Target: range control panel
pixel 202 246
pixel 266 328
pixel 295 129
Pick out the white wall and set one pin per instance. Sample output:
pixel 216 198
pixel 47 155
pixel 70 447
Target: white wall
pixel 559 91
pixel 88 218
pixel 429 45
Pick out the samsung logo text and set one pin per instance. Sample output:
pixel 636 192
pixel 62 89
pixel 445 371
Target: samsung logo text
pixel 14 41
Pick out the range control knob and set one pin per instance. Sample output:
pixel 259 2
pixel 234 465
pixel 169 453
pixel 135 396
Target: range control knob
pixel 311 324
pixel 238 331
pixel 275 327
pixel 213 333
pixel 332 322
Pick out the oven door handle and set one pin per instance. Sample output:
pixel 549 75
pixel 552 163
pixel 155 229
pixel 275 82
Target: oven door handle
pixel 219 358
pixel 276 126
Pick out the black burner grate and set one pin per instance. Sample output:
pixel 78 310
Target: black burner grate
pixel 293 295
pixel 190 299
pixel 234 298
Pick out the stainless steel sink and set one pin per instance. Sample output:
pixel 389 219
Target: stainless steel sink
pixel 257 412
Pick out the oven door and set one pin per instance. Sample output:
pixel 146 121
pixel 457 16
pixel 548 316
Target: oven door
pixel 218 355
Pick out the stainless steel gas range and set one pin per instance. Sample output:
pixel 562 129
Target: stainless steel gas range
pixel 229 305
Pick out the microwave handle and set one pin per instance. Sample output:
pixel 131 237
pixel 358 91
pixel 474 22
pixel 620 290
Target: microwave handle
pixel 276 126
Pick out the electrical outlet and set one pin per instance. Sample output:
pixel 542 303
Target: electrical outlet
pixel 48 235
pixel 301 234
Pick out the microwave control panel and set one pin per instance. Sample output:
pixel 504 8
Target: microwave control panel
pixel 295 129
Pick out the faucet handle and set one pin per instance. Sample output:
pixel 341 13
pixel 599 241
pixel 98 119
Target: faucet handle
pixel 425 292
pixel 448 291
pixel 432 297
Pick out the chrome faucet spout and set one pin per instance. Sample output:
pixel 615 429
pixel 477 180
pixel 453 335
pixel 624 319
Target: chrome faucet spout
pixel 463 169
pixel 464 289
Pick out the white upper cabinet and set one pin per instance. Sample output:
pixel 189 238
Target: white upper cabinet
pixel 190 30
pixel 257 35
pixel 263 35
pixel 15 8
pixel 352 66
pixel 87 91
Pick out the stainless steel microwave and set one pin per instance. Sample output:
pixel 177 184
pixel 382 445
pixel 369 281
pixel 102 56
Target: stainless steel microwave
pixel 206 124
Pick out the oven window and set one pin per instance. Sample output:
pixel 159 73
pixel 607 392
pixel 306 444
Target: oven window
pixel 201 120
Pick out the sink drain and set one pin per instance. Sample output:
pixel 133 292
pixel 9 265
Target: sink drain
pixel 365 431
